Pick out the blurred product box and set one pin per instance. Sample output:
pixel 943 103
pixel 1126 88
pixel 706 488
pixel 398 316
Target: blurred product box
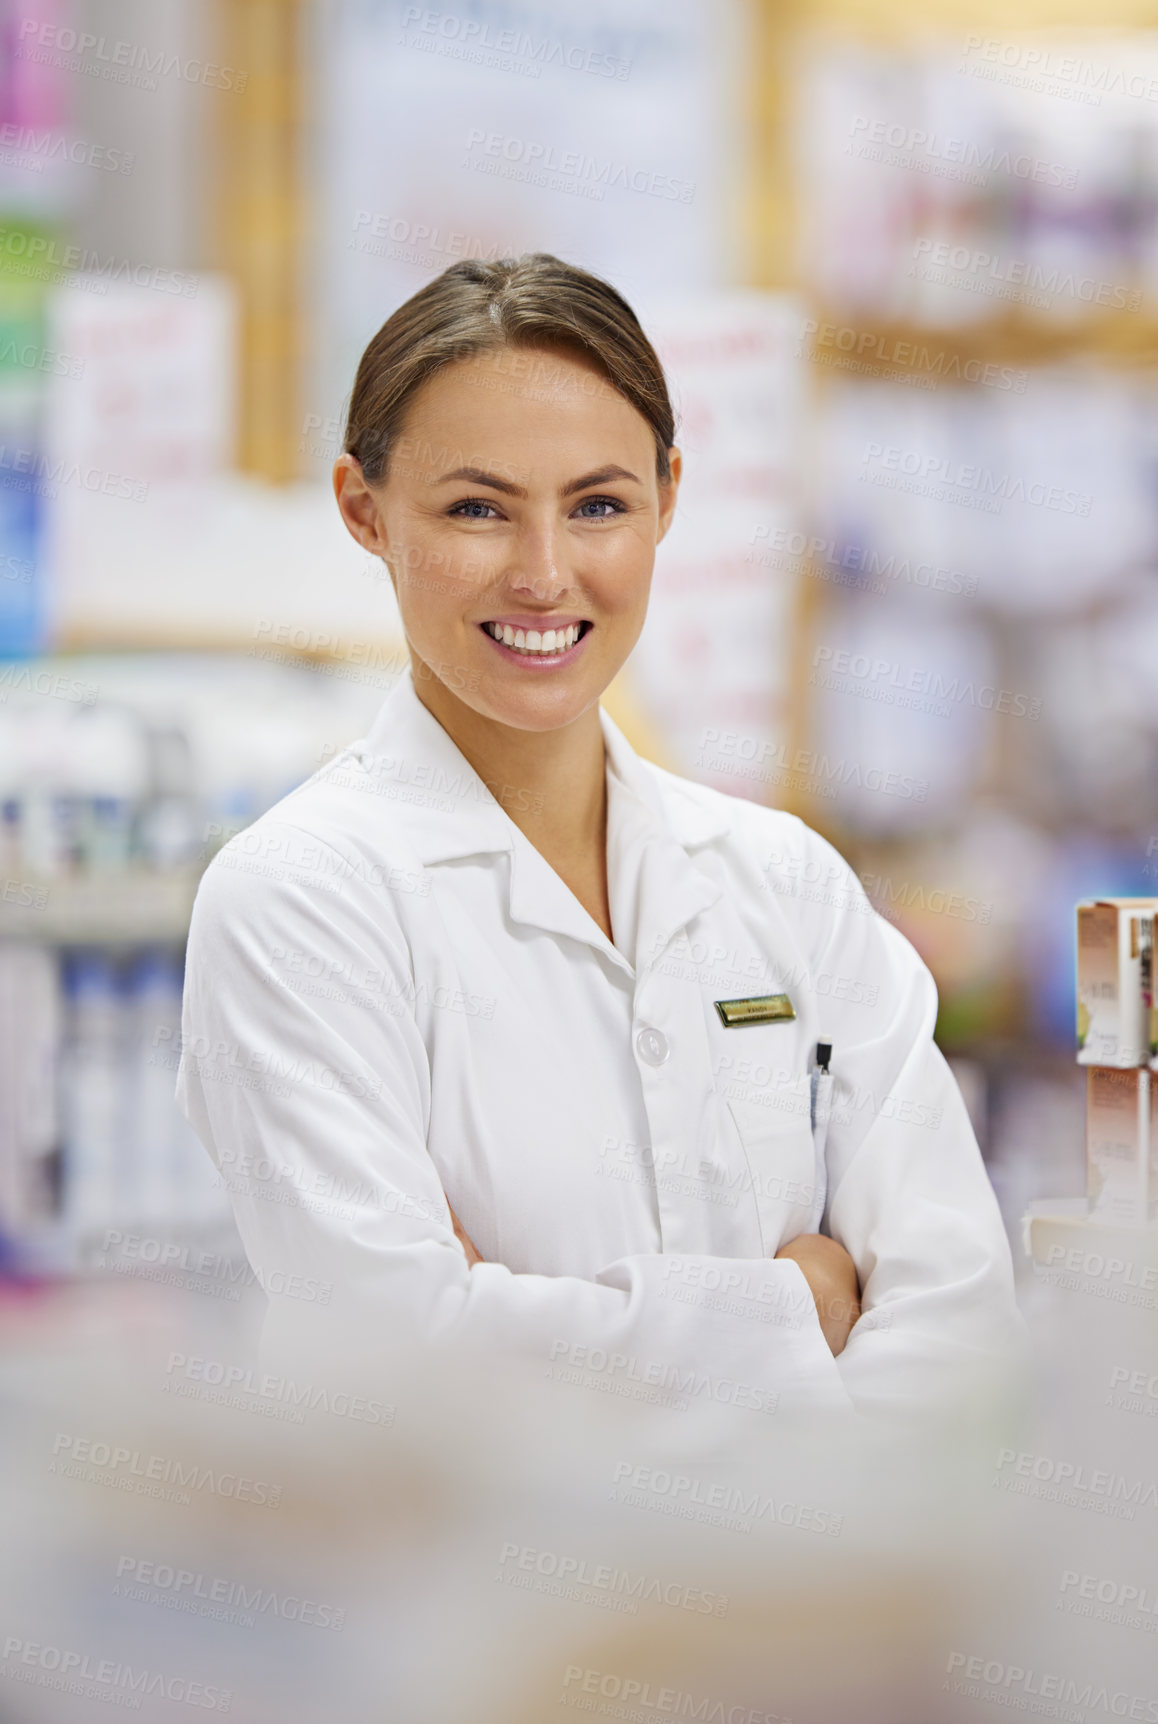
pixel 1115 943
pixel 1121 1145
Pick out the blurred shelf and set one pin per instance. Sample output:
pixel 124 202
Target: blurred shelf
pixel 1060 1234
pixel 884 349
pixel 135 908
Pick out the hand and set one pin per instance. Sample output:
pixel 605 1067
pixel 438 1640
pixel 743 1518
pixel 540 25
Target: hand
pixel 831 1276
pixel 464 1239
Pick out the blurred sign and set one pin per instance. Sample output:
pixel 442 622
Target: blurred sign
pixel 712 667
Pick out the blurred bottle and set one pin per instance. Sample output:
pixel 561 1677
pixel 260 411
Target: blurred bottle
pixel 170 825
pixel 148 1191
pixel 29 1049
pixel 94 1099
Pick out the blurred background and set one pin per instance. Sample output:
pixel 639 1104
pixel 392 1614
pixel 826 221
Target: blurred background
pixel 902 265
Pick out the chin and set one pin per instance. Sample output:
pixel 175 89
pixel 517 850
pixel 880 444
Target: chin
pixel 539 712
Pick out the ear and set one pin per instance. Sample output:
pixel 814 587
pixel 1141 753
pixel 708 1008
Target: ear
pixel 358 506
pixel 668 491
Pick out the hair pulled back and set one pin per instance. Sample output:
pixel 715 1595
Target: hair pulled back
pixel 474 307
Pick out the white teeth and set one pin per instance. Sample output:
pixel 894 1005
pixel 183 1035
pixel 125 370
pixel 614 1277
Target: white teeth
pixel 548 643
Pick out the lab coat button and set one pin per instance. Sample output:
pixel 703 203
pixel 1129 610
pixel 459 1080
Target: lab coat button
pixel 653 1047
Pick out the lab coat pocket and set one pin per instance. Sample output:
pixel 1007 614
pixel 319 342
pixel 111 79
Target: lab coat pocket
pixel 776 1134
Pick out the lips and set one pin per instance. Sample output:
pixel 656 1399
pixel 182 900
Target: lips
pixel 547 642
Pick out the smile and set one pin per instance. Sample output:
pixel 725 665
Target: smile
pixel 553 643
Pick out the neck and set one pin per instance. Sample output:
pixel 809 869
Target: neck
pixel 551 783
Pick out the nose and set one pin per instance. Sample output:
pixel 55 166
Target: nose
pixel 539 569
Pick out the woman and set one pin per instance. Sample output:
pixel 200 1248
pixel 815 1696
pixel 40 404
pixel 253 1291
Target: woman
pixel 465 1024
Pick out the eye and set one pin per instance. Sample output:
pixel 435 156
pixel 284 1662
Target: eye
pixel 474 509
pixel 599 508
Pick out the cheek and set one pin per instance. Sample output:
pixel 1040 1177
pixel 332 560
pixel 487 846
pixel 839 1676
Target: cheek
pixel 433 566
pixel 621 575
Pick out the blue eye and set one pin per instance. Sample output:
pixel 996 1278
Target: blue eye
pixel 473 509
pixel 609 503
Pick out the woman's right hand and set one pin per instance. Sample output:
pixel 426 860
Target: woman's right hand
pixel 464 1239
pixel 832 1279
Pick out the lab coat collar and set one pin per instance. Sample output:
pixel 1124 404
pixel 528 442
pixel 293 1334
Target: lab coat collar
pixel 449 813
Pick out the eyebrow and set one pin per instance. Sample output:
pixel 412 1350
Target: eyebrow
pixel 478 476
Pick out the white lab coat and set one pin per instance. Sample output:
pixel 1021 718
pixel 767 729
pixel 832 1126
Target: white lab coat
pixel 391 996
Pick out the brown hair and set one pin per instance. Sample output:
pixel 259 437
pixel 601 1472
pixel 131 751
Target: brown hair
pixel 536 301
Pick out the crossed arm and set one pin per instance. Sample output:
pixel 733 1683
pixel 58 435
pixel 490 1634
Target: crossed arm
pixel 825 1265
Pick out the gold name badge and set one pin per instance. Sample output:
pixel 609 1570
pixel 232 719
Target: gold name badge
pixel 763 1009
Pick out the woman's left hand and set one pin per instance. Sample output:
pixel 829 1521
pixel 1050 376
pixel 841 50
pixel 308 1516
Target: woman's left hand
pixel 832 1279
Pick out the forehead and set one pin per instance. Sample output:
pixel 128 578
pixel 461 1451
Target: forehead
pixel 533 396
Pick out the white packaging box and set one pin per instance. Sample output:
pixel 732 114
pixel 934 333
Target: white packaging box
pixel 1114 939
pixel 1121 1145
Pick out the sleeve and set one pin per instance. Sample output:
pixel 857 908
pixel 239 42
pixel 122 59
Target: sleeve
pixel 312 1098
pixel 908 1194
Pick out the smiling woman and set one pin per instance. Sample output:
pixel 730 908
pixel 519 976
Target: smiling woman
pixel 517 1032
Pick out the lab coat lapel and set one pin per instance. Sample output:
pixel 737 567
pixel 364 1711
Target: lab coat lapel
pixel 540 899
pixel 644 853
pixel 449 813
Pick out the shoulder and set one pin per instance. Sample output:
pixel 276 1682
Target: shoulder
pixel 781 844
pixel 327 848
